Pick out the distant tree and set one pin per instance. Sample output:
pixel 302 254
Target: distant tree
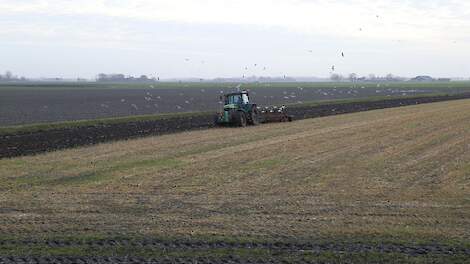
pixel 390 77
pixel 336 77
pixel 8 75
pixel 119 77
pixel 102 77
pixel 372 77
pixel 352 77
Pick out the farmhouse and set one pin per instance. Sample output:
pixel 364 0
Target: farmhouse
pixel 422 78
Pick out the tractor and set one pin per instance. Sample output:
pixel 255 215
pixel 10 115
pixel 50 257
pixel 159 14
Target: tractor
pixel 238 110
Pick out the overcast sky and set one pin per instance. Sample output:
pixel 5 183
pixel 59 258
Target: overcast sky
pixel 210 38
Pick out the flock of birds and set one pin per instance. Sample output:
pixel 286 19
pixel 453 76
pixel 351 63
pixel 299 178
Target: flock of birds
pixel 264 68
pixel 333 68
pixel 287 96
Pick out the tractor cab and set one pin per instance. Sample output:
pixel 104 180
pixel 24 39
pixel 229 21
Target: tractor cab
pixel 237 110
pixel 239 98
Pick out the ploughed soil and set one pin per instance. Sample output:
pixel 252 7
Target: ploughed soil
pixel 55 103
pixel 295 252
pixel 12 145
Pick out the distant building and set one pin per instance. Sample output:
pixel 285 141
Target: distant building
pixel 444 80
pixel 422 78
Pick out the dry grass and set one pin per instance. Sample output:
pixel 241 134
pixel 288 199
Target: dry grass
pixel 399 173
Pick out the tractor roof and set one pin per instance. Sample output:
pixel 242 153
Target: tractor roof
pixel 237 93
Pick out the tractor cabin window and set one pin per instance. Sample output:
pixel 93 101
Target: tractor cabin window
pixel 234 99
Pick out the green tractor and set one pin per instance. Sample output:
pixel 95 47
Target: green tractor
pixel 238 110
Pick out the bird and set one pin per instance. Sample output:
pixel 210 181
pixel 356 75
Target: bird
pixel 342 54
pixel 333 68
pixel 264 68
pixel 377 16
pixel 360 29
pixel 256 64
pixel 186 59
pixel 310 51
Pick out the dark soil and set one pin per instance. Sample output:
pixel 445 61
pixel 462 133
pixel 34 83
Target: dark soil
pixel 23 105
pixel 334 109
pixel 42 141
pixel 281 246
pixel 275 249
pixel 132 260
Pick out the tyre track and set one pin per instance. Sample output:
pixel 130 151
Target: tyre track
pixel 412 250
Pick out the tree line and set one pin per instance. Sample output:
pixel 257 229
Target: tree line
pixel 370 78
pixel 102 77
pixel 8 76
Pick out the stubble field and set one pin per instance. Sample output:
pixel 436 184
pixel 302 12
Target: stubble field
pixel 386 185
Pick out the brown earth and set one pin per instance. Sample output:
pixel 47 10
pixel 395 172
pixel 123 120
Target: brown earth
pixel 12 145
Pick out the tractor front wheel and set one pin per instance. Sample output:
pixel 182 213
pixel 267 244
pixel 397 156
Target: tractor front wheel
pixel 216 120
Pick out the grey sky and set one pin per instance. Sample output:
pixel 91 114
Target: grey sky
pixel 221 38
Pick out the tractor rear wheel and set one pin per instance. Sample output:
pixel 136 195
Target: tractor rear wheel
pixel 241 119
pixel 254 118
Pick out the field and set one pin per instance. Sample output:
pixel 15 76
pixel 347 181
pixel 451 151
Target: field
pixel 38 138
pixel 52 102
pixel 388 185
